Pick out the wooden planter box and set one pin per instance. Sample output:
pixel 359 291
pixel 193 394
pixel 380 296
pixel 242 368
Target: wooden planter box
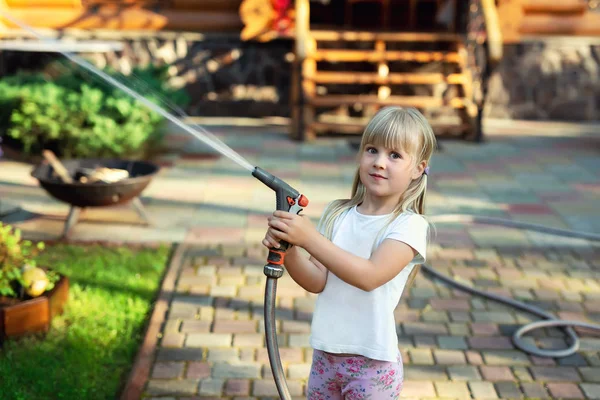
pixel 33 315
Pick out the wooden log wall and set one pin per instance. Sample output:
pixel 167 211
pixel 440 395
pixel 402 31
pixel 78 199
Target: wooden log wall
pixel 531 18
pixel 203 16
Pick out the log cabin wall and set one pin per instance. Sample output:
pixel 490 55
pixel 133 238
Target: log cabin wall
pixel 148 15
pixel 551 63
pixel 525 19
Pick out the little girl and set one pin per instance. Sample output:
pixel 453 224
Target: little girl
pixel 361 258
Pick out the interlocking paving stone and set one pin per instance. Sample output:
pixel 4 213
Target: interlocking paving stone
pixel 464 373
pixel 482 390
pixel 267 388
pixel 565 391
pixel 211 387
pixel 522 374
pixel 223 354
pixel 505 357
pixel 198 370
pixel 591 390
pixel 236 370
pixel 181 387
pixel 425 372
pixel 458 390
pixel 237 387
pixel 449 357
pixel 535 390
pixel 421 356
pixel 494 373
pixel 508 390
pixel 208 340
pixel 168 370
pixel 490 342
pixel 590 374
pixel 576 360
pixel 452 342
pixel 555 374
pixel 179 354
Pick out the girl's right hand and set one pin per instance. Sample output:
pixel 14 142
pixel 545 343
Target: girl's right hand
pixel 270 241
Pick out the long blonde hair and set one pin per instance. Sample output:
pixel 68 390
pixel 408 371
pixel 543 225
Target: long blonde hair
pixel 394 128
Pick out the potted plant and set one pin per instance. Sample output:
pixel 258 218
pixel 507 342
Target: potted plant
pixel 30 295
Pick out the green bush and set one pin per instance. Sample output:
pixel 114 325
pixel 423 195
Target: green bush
pixel 82 116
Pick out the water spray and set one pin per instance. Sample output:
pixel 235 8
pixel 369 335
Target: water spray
pixel 289 199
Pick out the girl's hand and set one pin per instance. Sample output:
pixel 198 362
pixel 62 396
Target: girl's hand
pixel 293 228
pixel 270 241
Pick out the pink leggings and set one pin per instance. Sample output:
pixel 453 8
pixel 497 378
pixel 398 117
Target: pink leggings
pixel 353 378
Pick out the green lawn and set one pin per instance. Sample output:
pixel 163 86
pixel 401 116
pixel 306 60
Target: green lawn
pixel 90 349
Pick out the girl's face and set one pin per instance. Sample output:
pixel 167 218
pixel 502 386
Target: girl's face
pixel 387 173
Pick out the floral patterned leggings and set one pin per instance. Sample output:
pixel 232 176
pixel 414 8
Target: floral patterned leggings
pixel 353 378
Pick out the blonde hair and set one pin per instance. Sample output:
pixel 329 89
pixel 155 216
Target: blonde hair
pixel 394 128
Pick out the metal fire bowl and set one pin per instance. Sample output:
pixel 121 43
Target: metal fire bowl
pixel 96 194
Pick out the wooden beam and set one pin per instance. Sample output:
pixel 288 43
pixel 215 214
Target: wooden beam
pixel 406 101
pixel 326 35
pixel 555 6
pixel 357 128
pixel 372 56
pixel 326 77
pixel 584 25
pixel 42 3
pixel 190 5
pixel 133 18
pixel 510 14
pixel 494 34
pixel 60 46
pixel 302 27
pixel 303 41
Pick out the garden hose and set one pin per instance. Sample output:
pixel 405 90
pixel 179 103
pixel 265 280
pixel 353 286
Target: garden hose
pixel 550 319
pixel 290 200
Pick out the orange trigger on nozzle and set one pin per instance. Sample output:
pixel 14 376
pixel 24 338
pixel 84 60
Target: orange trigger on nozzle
pixel 303 201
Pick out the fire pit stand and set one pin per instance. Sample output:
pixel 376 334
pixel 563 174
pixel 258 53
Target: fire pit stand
pixel 75 211
pixel 97 194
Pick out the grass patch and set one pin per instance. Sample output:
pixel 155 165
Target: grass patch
pixel 90 349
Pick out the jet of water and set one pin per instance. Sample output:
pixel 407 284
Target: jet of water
pixel 200 133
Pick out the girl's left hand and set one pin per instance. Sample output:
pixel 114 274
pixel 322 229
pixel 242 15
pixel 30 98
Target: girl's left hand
pixel 293 228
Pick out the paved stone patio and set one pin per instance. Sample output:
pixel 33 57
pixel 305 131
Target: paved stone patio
pixel 455 346
pixel 211 344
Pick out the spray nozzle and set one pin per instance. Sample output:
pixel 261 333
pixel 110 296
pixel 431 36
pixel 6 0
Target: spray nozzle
pixel 272 181
pixel 286 195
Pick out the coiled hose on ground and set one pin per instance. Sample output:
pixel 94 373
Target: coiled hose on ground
pixel 550 319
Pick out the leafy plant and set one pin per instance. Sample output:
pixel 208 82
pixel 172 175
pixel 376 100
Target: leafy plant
pixel 82 117
pixel 16 255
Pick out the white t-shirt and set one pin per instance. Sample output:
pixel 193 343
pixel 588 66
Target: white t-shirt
pixel 350 320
